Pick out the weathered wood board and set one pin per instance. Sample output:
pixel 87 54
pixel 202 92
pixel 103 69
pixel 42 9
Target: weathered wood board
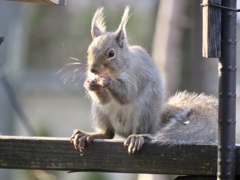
pixel 108 156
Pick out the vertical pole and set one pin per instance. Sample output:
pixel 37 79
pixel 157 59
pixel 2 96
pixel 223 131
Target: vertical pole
pixel 227 94
pixel 211 29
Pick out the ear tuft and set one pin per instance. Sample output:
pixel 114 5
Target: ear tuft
pixel 120 34
pixel 98 25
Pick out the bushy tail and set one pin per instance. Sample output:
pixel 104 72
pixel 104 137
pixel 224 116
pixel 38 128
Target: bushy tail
pixel 189 118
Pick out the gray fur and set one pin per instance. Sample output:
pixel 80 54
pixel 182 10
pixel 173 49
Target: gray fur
pixel 128 105
pixel 200 111
pixel 98 25
pixel 127 96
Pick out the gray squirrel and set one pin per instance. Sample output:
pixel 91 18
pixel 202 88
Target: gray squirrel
pixel 128 96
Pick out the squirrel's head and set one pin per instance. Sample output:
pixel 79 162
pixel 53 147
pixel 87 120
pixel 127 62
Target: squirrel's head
pixel 109 50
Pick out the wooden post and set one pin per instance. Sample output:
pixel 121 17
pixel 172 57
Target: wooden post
pixel 211 46
pixel 227 93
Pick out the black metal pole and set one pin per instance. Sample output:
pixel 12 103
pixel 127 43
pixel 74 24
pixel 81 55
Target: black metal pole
pixel 227 94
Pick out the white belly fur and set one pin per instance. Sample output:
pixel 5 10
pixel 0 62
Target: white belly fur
pixel 121 117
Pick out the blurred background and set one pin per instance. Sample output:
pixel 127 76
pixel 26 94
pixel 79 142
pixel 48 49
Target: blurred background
pixel 39 40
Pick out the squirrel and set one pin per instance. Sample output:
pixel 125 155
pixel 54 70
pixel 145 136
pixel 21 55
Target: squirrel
pixel 127 95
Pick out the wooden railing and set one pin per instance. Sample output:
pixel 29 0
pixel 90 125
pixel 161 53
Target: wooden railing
pixel 108 156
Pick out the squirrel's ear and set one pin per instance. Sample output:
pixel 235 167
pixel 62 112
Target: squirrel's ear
pixel 98 24
pixel 120 34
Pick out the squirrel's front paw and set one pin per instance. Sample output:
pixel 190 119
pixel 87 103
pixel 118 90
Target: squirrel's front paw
pixel 79 139
pixel 97 84
pixel 105 81
pixel 92 85
pixel 134 143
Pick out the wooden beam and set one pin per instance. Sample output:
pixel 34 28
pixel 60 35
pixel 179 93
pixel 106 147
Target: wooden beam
pixel 48 2
pixel 211 45
pixel 108 156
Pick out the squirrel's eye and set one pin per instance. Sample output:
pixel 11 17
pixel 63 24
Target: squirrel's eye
pixel 111 53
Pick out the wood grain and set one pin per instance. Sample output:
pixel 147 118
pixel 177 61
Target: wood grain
pixel 108 156
pixel 211 45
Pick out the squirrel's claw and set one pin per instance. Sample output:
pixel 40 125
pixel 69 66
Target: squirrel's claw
pixel 134 143
pixel 79 139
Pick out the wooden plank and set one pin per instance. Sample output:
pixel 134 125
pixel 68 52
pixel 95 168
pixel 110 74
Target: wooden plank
pixel 107 155
pixel 49 2
pixel 211 45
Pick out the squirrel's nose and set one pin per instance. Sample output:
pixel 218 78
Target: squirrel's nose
pixel 94 70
